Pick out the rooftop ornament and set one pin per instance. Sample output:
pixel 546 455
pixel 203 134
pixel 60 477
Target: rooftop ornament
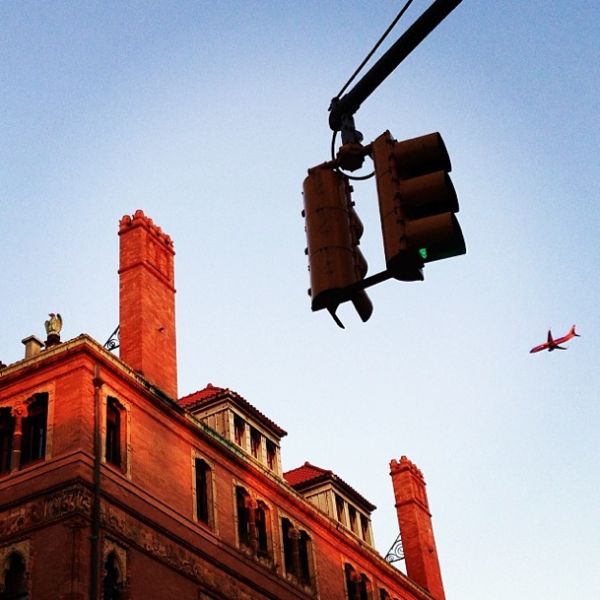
pixel 53 326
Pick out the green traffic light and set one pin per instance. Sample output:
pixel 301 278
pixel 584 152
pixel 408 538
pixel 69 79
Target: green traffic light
pixel 423 253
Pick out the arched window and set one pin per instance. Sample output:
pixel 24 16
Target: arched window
pixel 296 552
pixel 262 528
pixel 352 588
pixel 35 427
pixel 15 579
pixel 365 588
pixel 242 500
pixel 287 532
pixel 305 558
pixel 112 585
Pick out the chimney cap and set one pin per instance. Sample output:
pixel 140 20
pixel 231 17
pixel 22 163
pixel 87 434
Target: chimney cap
pixel 33 346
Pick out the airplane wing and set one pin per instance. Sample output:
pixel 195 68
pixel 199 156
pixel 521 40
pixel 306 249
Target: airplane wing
pixel 538 348
pixel 550 339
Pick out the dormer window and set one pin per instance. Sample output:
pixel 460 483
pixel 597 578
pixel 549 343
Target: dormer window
pixel 255 443
pixel 271 455
pixel 238 422
pixel 364 529
pixel 239 430
pixel 352 515
pixel 339 507
pixel 335 497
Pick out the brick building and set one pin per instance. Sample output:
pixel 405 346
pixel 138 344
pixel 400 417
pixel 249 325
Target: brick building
pixel 111 486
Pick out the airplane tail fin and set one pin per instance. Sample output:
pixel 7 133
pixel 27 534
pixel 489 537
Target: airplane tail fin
pixel 572 332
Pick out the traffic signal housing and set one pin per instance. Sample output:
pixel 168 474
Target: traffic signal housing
pixel 417 203
pixel 333 232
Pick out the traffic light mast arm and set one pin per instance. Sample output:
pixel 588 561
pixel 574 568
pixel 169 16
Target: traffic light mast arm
pixel 346 106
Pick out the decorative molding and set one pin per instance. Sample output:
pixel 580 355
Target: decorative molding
pixel 72 500
pixel 212 583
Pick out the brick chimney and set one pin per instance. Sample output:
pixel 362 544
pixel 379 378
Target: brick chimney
pixel 416 531
pixel 147 301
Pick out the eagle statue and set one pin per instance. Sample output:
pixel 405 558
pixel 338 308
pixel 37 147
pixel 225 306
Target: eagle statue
pixel 53 324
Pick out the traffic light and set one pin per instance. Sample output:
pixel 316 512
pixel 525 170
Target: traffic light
pixel 333 231
pixel 417 202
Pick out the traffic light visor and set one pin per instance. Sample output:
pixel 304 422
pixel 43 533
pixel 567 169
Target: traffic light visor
pixel 421 155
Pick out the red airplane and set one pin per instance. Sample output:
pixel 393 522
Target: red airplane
pixel 553 344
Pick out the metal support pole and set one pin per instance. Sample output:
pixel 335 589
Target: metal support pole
pixel 348 104
pixel 95 537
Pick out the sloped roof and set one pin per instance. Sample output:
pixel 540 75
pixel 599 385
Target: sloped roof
pixel 200 396
pixel 212 395
pixel 308 476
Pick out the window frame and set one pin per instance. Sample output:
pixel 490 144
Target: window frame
pixel 34 428
pixel 113 447
pixel 207 494
pixel 254 524
pixel 298 553
pixel 7 436
pixel 111 399
pixel 22 549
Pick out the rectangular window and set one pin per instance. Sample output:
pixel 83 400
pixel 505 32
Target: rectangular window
pixel 203 491
pixel 7 429
pixel 113 432
pixel 34 430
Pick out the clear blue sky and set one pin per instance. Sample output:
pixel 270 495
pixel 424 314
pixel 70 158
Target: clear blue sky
pixel 207 115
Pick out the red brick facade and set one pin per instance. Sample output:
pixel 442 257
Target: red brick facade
pixel 111 488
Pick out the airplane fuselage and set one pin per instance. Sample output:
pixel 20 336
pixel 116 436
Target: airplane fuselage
pixel 553 344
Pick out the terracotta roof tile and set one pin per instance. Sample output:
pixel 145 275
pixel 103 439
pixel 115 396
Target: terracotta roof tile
pixel 197 397
pixel 307 475
pixel 211 392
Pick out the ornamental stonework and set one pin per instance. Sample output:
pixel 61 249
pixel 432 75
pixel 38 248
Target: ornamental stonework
pixel 172 554
pixel 72 500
